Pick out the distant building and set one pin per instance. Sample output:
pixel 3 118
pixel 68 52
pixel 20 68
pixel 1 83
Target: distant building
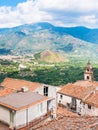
pixel 22 67
pixel 81 96
pixel 88 74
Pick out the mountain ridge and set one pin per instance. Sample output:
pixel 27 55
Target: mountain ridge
pixel 81 32
pixel 34 38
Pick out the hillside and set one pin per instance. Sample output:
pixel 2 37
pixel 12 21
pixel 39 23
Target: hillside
pixel 50 56
pixel 34 38
pixel 83 33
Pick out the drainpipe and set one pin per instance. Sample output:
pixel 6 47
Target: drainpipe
pixel 12 113
pixel 27 117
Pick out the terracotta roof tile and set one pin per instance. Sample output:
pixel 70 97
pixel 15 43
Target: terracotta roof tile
pixel 4 126
pixel 76 90
pixel 17 84
pixel 85 90
pixel 65 112
pixel 92 99
pixel 6 91
pixel 86 83
pixel 72 123
pixel 65 123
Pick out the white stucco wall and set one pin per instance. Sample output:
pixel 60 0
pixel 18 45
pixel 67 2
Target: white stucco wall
pixel 78 106
pixel 4 115
pixel 64 100
pixel 81 108
pixel 86 111
pixel 51 93
pixel 51 90
pixel 94 111
pixel 67 99
pixel 22 117
pixel 37 111
pixel 87 75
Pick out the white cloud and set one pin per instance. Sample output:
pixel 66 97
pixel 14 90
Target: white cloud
pixel 76 5
pixel 91 20
pixel 58 12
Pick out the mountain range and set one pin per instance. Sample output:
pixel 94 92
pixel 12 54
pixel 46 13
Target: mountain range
pixel 72 42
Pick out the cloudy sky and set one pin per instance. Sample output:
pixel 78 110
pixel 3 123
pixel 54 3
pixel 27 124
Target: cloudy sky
pixel 57 12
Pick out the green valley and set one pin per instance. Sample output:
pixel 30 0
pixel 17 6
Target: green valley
pixel 49 73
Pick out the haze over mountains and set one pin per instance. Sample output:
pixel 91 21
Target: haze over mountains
pixel 33 38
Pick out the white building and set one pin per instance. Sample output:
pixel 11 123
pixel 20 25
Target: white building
pixel 73 95
pixel 20 108
pixel 17 85
pixel 81 96
pixel 22 67
pixel 43 89
pixel 13 88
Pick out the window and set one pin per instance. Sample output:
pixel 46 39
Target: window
pixel 45 91
pixel 87 77
pixel 73 101
pixel 61 96
pixel 89 106
pixel 87 69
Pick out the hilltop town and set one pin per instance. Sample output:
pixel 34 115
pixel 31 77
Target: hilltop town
pixel 26 105
pixel 49 65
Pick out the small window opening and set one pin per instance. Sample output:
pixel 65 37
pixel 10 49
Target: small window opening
pixel 45 91
pixel 61 96
pixel 89 106
pixel 87 77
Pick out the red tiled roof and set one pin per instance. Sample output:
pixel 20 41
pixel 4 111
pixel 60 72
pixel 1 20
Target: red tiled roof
pixel 17 84
pixel 3 126
pixel 85 90
pixel 62 111
pixel 6 91
pixel 86 83
pixel 92 99
pixel 76 90
pixel 71 123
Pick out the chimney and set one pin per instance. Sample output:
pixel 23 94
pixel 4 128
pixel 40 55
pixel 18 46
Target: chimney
pixel 24 89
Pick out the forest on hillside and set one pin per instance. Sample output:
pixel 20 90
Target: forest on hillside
pixel 56 75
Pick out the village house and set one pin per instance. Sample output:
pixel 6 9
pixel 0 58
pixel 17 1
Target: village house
pixel 17 85
pixel 81 96
pixel 22 102
pixel 19 109
pixel 22 67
